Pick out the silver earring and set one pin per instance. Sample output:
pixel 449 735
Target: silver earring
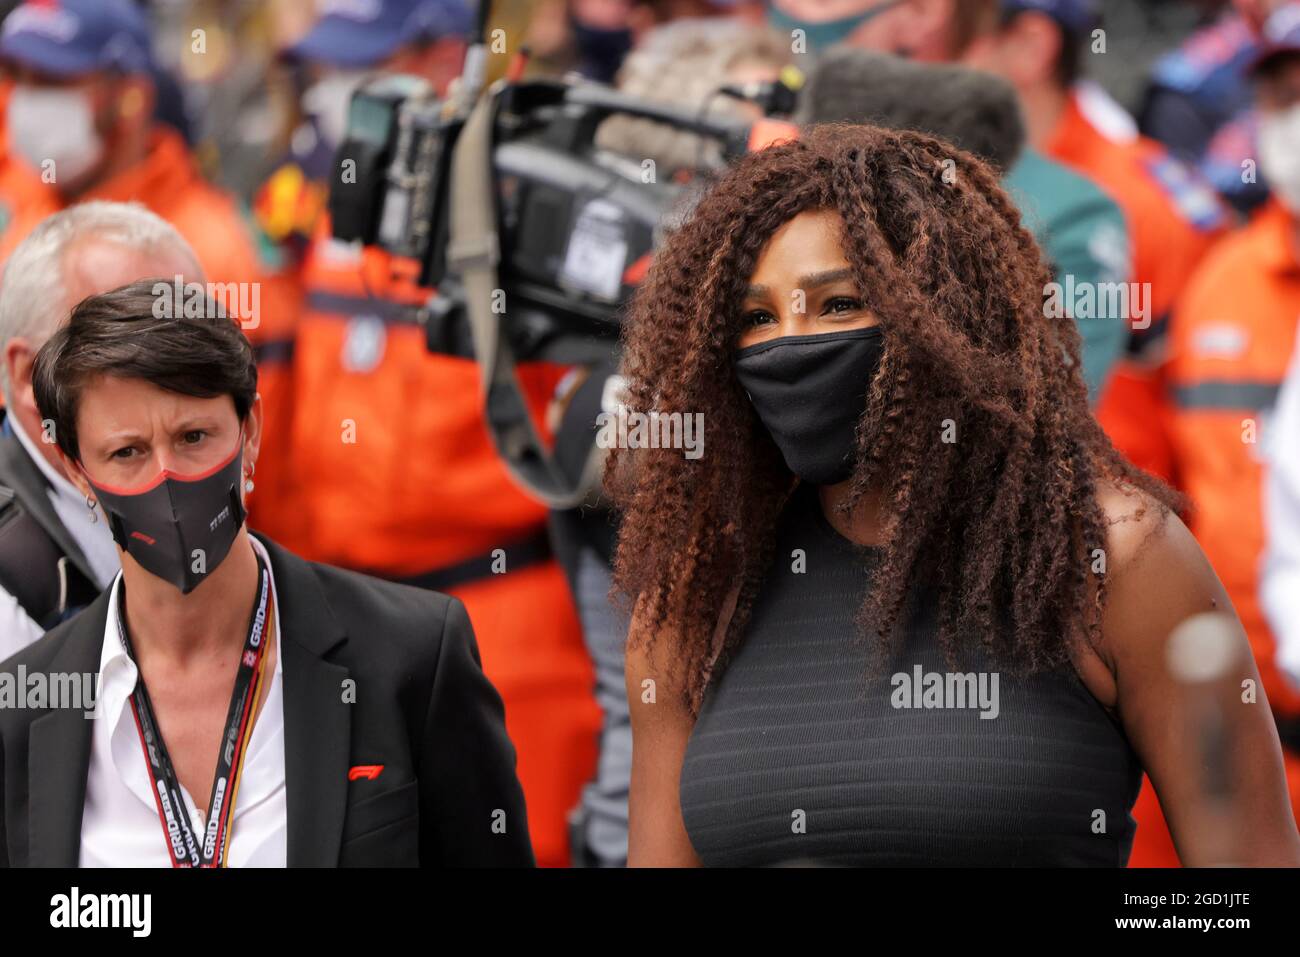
pixel 90 504
pixel 248 478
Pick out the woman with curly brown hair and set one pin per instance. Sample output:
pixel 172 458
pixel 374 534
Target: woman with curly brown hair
pixel 909 606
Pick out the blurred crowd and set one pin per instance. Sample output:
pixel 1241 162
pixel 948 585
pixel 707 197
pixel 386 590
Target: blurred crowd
pixel 1153 147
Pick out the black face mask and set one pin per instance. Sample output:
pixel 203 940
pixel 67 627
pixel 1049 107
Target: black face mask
pixel 810 392
pixel 177 527
pixel 600 50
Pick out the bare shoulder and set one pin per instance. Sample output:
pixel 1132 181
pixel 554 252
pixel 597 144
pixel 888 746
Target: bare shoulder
pixel 1157 580
pixel 1136 524
pixel 1156 574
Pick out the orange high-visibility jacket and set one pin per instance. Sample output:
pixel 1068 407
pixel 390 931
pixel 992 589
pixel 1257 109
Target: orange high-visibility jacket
pixel 1173 220
pixel 395 474
pixel 1229 342
pixel 168 182
pixel 1229 345
pixel 1172 224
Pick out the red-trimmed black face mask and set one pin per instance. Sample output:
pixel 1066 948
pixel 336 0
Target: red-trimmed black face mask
pixel 178 527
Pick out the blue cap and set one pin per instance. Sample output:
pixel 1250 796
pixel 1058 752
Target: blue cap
pixel 72 37
pixel 1281 36
pixel 361 33
pixel 1079 16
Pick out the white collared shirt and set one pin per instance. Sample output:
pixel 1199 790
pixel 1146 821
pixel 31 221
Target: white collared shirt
pixel 17 630
pixel 120 826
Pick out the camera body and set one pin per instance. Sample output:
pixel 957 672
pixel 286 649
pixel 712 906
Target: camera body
pixel 577 224
pixel 530 239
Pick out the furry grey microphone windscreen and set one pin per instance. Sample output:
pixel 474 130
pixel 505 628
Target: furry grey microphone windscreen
pixel 974 110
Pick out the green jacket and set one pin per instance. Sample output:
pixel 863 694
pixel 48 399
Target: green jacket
pixel 1084 234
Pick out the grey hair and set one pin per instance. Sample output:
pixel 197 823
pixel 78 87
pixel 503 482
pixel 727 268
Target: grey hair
pixel 30 302
pixel 682 64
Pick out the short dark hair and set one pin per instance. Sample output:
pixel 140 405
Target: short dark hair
pixel 120 333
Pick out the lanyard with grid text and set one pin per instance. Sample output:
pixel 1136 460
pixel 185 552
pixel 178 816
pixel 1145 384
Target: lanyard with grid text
pixel 182 844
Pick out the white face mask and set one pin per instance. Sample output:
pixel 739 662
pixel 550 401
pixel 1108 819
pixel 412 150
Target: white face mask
pixel 328 100
pixel 1279 155
pixel 55 124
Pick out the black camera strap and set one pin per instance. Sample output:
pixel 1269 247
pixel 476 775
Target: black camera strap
pixel 183 845
pixel 474 254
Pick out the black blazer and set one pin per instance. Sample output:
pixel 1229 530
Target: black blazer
pixel 20 473
pixel 423 710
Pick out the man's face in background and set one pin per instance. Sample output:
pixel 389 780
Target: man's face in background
pixel 1277 98
pixel 70 128
pixel 90 265
pixel 1279 89
pixel 828 22
pixel 1023 49
pixel 924 30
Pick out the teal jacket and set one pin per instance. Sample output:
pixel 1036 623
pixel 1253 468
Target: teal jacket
pixel 1084 234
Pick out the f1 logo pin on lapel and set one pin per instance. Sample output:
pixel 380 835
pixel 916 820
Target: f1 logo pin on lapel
pixel 367 771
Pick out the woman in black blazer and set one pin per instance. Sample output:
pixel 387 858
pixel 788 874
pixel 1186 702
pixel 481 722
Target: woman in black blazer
pixel 381 741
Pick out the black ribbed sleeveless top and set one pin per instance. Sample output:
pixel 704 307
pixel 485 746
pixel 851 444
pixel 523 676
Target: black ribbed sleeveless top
pixel 801 755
